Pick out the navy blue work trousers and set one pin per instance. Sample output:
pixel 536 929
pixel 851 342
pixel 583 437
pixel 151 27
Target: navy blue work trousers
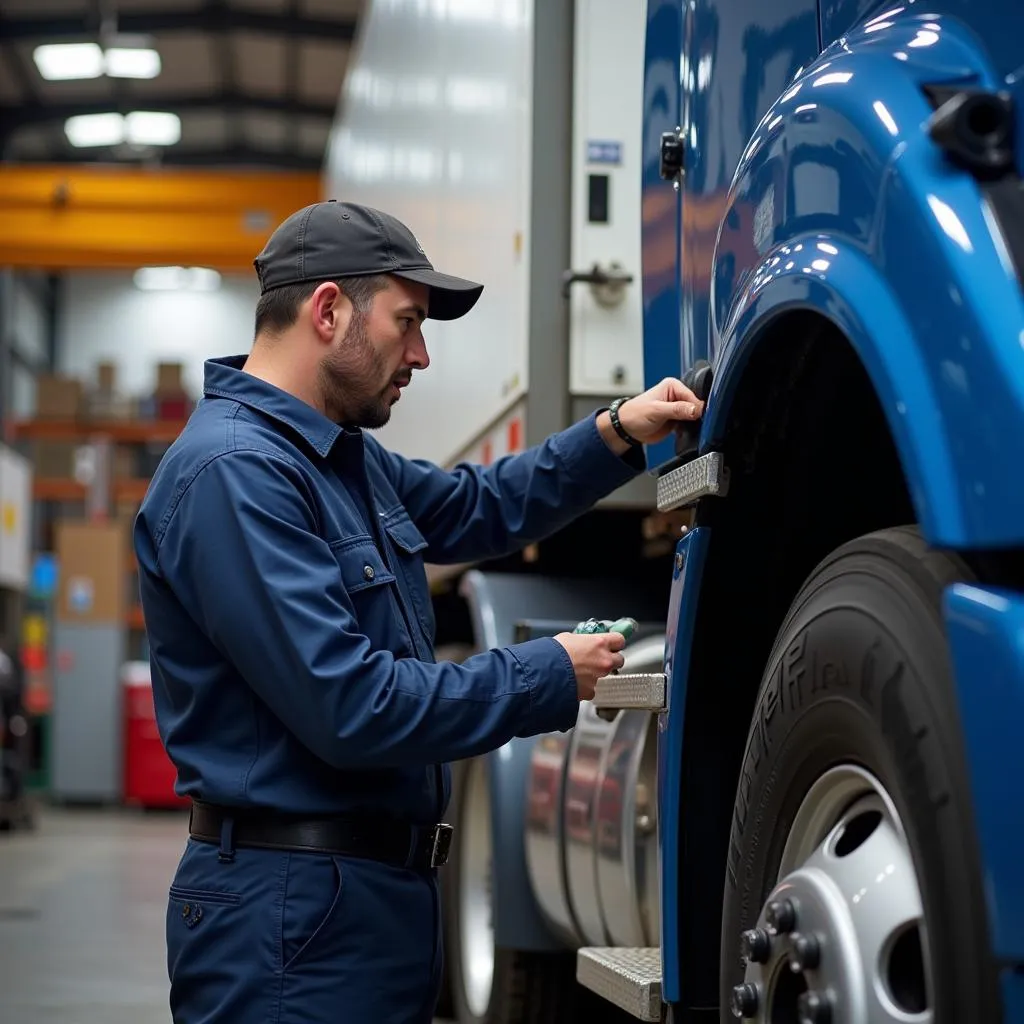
pixel 273 937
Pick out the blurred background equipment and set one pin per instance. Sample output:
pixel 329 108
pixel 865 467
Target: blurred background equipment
pixel 146 152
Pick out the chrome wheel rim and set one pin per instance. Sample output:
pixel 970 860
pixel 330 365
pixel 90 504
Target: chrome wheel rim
pixel 841 937
pixel 476 931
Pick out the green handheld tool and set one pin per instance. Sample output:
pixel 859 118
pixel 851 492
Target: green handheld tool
pixel 626 626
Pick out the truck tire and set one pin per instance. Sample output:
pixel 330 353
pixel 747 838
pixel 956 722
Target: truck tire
pixel 853 877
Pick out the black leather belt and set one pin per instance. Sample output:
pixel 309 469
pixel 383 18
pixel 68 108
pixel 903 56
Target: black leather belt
pixel 416 847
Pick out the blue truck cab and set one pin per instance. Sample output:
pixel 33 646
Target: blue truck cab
pixel 833 251
pixel 799 803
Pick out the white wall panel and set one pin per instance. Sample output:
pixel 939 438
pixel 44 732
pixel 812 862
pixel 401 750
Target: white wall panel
pixel 434 128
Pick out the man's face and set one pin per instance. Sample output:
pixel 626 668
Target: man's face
pixel 372 359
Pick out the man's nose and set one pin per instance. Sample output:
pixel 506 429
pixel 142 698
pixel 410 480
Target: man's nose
pixel 416 354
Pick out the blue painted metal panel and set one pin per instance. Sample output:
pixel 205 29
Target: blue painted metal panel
pixel 691 552
pixel 842 204
pixel 737 57
pixel 986 638
pixel 1012 984
pixel 660 204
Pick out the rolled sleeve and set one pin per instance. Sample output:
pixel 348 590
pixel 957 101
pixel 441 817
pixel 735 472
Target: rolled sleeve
pixel 243 553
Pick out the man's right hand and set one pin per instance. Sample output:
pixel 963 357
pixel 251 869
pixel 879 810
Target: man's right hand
pixel 593 656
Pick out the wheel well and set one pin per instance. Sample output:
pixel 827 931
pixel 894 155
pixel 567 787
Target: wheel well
pixel 812 465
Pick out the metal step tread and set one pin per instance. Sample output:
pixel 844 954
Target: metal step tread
pixel 628 978
pixel 643 690
pixel 701 478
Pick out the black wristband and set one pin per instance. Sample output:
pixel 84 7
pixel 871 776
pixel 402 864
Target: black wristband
pixel 613 413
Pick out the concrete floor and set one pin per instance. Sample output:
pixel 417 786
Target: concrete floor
pixel 82 904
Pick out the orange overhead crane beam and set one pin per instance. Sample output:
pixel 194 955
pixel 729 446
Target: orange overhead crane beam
pixel 56 217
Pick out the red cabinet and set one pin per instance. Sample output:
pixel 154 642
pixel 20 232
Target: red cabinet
pixel 149 775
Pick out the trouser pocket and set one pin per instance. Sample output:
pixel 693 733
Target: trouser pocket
pixel 208 932
pixel 312 894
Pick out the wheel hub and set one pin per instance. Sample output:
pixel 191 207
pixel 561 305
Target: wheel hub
pixel 840 938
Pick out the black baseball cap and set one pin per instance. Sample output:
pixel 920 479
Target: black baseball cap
pixel 333 239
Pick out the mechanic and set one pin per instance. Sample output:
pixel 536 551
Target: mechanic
pixel 281 559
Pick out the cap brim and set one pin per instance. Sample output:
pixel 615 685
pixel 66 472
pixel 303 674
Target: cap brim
pixel 450 297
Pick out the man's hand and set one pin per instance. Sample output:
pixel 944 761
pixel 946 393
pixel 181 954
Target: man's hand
pixel 652 416
pixel 593 656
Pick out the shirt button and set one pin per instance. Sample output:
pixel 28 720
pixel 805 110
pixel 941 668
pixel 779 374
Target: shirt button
pixel 368 572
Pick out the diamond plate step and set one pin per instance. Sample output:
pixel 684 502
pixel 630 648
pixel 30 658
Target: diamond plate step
pixel 642 690
pixel 701 478
pixel 628 978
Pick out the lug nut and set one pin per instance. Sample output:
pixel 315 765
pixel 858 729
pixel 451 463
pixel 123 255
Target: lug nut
pixel 780 917
pixel 756 946
pixel 805 954
pixel 744 1001
pixel 814 1008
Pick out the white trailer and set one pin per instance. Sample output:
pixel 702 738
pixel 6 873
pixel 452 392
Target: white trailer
pixel 507 134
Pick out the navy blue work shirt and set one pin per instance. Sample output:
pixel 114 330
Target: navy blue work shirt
pixel 281 566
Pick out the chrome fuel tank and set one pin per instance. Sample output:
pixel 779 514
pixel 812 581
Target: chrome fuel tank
pixel 591 837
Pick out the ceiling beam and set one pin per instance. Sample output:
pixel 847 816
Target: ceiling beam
pixel 15 117
pixel 56 218
pixel 236 157
pixel 206 20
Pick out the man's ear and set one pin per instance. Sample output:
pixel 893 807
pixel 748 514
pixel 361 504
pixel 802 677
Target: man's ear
pixel 330 311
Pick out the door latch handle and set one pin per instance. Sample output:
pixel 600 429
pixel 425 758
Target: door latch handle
pixel 607 284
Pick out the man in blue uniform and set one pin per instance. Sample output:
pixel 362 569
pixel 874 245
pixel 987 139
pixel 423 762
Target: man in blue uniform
pixel 281 552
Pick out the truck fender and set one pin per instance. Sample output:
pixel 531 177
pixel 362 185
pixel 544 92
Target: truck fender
pixel 911 267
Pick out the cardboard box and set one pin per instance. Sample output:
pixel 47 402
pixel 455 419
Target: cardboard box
pixel 54 459
pixel 93 577
pixel 170 379
pixel 110 406
pixel 58 397
pixel 106 377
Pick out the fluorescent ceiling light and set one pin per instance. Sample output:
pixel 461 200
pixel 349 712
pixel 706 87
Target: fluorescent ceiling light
pixel 203 279
pixel 176 279
pixel 140 128
pixel 132 62
pixel 95 129
pixel 152 128
pixel 63 61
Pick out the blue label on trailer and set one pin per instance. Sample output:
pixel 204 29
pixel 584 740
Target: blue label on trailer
pixel 603 151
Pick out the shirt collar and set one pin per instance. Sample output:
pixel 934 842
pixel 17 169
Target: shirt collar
pixel 225 378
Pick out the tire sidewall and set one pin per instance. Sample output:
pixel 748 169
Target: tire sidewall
pixel 859 675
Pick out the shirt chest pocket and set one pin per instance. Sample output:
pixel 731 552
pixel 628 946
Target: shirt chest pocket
pixel 376 595
pixel 409 545
pixel 370 584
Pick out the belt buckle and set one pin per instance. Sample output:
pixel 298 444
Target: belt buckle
pixel 441 844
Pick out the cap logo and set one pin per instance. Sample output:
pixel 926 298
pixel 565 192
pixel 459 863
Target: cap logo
pixel 419 248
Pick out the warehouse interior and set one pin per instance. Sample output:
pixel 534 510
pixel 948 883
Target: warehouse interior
pixel 596 666
pixel 147 148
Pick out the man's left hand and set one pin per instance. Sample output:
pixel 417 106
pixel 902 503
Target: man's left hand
pixel 652 416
